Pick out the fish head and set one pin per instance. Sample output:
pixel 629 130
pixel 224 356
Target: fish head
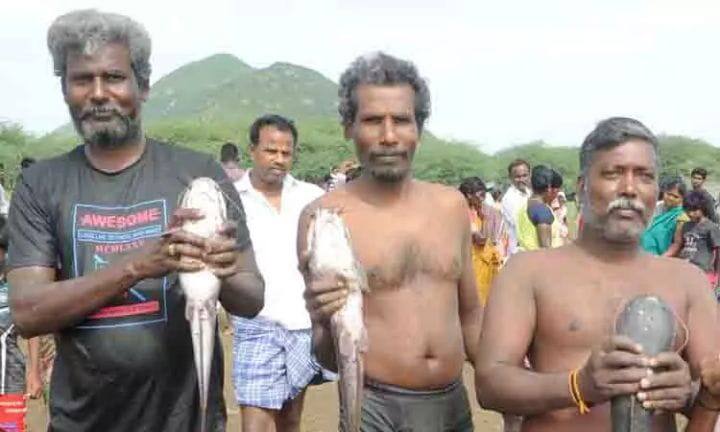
pixel 329 244
pixel 204 194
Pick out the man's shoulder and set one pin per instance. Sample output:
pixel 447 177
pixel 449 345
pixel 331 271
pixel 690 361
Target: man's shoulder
pixel 54 166
pixel 673 269
pixel 440 194
pixel 541 258
pixel 166 150
pixel 309 189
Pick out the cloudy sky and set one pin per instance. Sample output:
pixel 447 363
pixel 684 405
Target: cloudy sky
pixel 500 72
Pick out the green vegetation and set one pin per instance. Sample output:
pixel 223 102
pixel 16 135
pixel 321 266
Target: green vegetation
pixel 206 103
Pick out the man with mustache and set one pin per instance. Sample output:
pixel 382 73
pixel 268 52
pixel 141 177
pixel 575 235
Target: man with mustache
pixel 105 215
pixel 563 321
pixel 422 312
pixel 272 359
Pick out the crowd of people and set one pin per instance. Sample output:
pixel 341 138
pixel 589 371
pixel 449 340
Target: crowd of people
pixel 493 278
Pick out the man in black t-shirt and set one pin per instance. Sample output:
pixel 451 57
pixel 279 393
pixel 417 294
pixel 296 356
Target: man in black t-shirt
pixel 105 214
pixel 700 237
pixel 698 176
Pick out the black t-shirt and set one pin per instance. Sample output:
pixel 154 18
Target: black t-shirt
pixel 710 206
pixel 700 239
pixel 128 366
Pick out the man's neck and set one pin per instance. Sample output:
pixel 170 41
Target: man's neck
pixel 379 192
pixel 270 190
pixel 540 198
pixel 523 190
pixel 593 243
pixel 116 159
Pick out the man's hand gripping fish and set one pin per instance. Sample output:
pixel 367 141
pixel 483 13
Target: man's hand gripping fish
pixel 202 288
pixel 331 253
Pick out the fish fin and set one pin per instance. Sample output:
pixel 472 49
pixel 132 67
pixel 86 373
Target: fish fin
pixel 362 277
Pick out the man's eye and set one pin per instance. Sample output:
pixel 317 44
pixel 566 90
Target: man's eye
pixel 115 78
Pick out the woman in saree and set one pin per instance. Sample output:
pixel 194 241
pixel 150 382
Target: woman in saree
pixel 663 236
pixel 489 237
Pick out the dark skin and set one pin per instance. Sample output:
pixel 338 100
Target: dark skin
pixel 106 80
pixel 272 158
pixel 475 202
pixel 544 231
pixel 422 313
pixel 673 198
pixel 564 321
pixel 520 176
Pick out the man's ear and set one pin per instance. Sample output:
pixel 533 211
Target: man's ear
pixel 580 188
pixel 144 93
pixel 63 88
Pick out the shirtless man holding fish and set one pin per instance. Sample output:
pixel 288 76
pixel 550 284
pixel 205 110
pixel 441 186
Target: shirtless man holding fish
pixel 563 322
pixel 105 215
pixel 412 238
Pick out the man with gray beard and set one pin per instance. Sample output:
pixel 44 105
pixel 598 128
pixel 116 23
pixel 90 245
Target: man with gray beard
pixel 563 321
pixel 105 215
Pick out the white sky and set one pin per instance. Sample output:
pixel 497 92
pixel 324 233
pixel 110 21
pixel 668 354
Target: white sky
pixel 500 72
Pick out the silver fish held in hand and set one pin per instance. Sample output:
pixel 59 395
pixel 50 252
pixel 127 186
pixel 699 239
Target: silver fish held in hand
pixel 330 253
pixel 202 288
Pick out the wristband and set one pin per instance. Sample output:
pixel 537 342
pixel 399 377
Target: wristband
pixel 575 392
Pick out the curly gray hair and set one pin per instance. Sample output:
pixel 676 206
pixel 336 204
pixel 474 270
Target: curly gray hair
pixel 381 69
pixel 88 29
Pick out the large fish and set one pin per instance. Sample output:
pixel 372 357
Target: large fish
pixel 202 288
pixel 649 321
pixel 331 253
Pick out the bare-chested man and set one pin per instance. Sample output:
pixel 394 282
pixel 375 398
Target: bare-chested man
pixel 422 313
pixel 563 321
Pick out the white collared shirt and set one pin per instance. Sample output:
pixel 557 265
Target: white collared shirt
pixel 513 200
pixel 274 237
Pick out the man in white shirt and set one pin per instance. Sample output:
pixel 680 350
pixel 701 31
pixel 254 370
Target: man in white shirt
pixel 4 202
pixel 272 360
pixel 515 198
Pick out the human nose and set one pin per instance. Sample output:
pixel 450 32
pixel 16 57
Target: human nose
pixel 389 135
pixel 628 184
pixel 98 92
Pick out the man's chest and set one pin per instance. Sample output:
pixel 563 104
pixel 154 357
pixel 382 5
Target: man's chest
pixel 394 250
pixel 97 230
pixel 583 312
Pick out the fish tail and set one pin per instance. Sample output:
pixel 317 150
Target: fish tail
pixel 350 367
pixel 202 326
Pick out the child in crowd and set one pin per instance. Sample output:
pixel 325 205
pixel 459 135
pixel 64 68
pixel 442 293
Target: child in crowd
pixel 701 238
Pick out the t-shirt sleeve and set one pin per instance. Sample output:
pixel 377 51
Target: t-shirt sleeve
pixel 714 236
pixel 32 240
pixel 540 214
pixel 235 209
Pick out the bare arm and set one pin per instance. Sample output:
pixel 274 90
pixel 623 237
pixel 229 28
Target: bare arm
pixel 502 383
pixel 470 309
pixel 544 232
pixel 33 380
pixel 243 293
pixel 37 309
pixel 676 245
pixel 703 419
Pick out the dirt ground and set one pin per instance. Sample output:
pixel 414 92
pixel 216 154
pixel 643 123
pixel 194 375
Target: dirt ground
pixel 321 407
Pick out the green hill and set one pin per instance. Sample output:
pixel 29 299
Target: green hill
pixel 211 101
pixel 222 87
